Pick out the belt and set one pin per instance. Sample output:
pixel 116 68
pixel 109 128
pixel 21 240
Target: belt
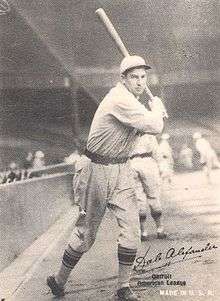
pixel 144 155
pixel 95 158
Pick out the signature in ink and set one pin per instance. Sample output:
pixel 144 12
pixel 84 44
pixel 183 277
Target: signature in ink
pixel 171 256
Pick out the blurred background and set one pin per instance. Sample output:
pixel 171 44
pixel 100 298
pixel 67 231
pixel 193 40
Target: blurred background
pixel 57 62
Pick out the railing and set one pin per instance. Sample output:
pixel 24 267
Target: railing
pixel 51 169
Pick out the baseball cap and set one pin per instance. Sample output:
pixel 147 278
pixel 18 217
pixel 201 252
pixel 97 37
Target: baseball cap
pixel 39 154
pixel 132 61
pixel 13 165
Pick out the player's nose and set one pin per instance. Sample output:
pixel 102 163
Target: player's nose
pixel 138 82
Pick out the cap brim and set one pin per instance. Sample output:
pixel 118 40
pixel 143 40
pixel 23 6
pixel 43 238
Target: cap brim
pixel 146 67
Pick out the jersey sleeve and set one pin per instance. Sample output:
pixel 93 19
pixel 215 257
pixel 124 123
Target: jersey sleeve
pixel 132 113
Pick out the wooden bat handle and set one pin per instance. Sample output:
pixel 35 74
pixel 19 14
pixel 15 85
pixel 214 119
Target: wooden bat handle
pixel 149 92
pixel 111 30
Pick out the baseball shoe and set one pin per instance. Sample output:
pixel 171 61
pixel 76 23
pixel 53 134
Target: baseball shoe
pixel 126 294
pixel 56 289
pixel 144 236
pixel 161 235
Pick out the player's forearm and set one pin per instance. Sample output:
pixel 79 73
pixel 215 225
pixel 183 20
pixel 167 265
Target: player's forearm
pixel 151 123
pixel 143 120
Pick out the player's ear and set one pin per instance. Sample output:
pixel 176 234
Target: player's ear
pixel 123 77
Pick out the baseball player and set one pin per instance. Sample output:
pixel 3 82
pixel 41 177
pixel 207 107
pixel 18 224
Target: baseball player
pixel 144 162
pixel 104 178
pixel 39 160
pixel 185 157
pixel 208 157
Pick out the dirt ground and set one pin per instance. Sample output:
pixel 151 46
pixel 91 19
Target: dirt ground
pixel 185 266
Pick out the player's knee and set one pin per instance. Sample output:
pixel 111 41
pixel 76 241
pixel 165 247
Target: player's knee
pixel 134 244
pixel 155 212
pixel 136 238
pixel 130 237
pixel 81 240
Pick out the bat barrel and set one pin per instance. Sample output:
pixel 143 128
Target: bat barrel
pixel 111 30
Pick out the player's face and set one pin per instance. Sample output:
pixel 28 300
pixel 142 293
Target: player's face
pixel 135 81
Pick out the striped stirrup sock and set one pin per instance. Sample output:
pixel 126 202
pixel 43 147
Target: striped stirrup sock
pixel 71 257
pixel 126 256
pixel 126 259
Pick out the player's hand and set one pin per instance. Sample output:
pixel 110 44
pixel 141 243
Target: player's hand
pixel 157 105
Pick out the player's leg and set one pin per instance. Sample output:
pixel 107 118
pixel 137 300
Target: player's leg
pixel 143 226
pixel 84 232
pixel 156 213
pixel 136 164
pixel 124 207
pixel 128 241
pixel 206 163
pixel 142 204
pixel 151 182
pixel 215 160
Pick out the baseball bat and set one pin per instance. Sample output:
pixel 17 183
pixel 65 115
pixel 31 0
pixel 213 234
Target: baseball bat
pixel 116 38
pixel 112 31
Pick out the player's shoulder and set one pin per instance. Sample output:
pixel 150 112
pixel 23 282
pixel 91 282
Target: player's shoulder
pixel 119 98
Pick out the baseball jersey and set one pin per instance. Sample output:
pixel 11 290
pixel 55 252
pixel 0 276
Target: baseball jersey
pixel 145 144
pixel 204 148
pixel 116 122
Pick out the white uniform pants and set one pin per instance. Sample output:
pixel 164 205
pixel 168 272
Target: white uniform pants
pixel 147 180
pixel 97 187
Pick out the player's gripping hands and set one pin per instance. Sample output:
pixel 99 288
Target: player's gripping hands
pixel 156 105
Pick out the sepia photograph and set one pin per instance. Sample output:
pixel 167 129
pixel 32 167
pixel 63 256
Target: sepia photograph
pixel 109 150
